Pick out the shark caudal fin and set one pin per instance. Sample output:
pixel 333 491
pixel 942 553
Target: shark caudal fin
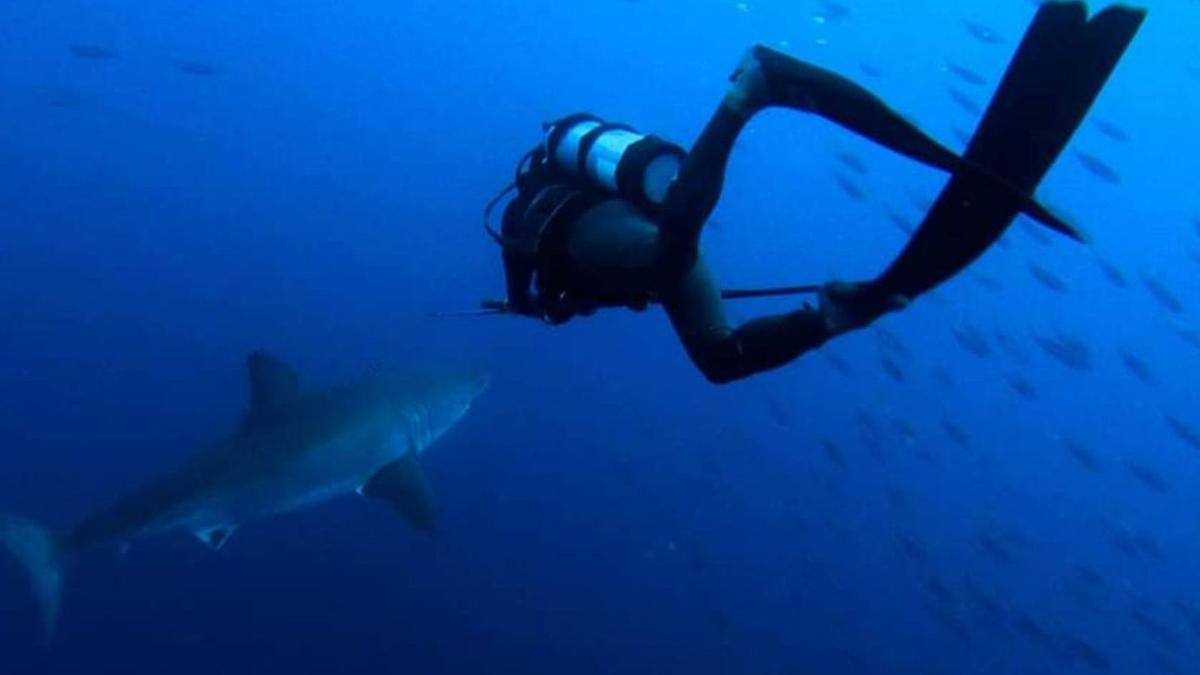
pixel 37 550
pixel 1058 71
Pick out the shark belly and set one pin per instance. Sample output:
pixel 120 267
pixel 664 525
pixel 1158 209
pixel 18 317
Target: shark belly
pixel 302 479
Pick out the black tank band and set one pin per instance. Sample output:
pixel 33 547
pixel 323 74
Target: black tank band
pixel 589 139
pixel 631 171
pixel 560 128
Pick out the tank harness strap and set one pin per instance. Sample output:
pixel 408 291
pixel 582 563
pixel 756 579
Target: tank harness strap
pixel 561 207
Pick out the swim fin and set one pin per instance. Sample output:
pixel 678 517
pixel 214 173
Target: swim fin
pixel 1058 71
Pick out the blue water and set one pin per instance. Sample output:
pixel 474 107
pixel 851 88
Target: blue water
pixel 315 191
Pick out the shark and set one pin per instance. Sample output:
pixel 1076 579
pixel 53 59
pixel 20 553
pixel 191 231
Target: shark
pixel 293 449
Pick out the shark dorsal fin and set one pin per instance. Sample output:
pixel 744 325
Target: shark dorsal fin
pixel 273 385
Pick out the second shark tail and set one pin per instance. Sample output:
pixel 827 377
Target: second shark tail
pixel 37 549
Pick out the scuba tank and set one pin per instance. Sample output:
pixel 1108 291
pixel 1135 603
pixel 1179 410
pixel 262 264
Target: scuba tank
pixel 614 157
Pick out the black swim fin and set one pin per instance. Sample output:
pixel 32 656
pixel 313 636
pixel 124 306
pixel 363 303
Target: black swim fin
pixel 1058 71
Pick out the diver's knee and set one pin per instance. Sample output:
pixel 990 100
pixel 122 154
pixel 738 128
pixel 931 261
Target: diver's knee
pixel 718 373
pixel 718 365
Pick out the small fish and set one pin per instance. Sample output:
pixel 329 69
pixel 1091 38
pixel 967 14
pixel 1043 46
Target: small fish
pixel 779 412
pixel 892 369
pixel 1096 166
pixel 983 602
pixel 920 201
pixel 1033 631
pixel 1148 476
pixel 697 557
pixel 1163 664
pixel 724 623
pixel 196 68
pixel 1190 612
pixel 1068 350
pixel 1024 388
pixel 63 98
pixel 1159 631
pixel 939 591
pixel 1082 455
pixel 1086 653
pixel 896 497
pixel 982 33
pixel 1110 129
pixel 891 343
pixel 1137 366
pixel 971 339
pixel 995 549
pixel 1035 231
pixel 833 11
pixel 1123 541
pixel 904 429
pixel 833 453
pixel 1114 275
pixel 951 623
pixel 943 377
pixel 1148 546
pixel 903 224
pixel 849 187
pixel 964 101
pixel 623 469
pixel 91 52
pixel 837 362
pixel 1047 278
pixel 868 428
pixel 1011 349
pixel 853 162
pixel 912 546
pixel 1088 575
pixel 955 433
pixel 986 281
pixel 966 74
pixel 1162 294
pixel 1188 335
pixel 870 70
pixel 1184 431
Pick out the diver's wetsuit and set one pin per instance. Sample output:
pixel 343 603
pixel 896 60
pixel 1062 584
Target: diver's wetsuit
pixel 584 249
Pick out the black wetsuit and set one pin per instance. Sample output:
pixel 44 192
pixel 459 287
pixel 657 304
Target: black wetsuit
pixel 582 249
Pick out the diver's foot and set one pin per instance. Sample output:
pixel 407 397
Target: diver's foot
pixel 767 77
pixel 750 91
pixel 850 306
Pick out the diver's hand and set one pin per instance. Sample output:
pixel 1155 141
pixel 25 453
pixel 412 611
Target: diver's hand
pixel 849 306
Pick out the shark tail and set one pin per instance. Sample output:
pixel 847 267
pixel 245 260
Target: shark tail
pixel 38 551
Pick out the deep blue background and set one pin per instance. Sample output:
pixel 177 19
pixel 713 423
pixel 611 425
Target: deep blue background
pixel 605 510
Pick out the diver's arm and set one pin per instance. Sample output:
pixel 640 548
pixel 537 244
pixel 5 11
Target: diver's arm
pixel 724 354
pixel 518 277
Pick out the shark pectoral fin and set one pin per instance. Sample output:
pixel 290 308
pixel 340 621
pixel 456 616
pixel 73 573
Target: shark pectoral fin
pixel 215 537
pixel 402 484
pixel 273 385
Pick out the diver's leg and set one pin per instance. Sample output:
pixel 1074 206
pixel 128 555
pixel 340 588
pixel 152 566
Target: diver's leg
pixel 695 191
pixel 768 78
pixel 1059 69
pixel 723 354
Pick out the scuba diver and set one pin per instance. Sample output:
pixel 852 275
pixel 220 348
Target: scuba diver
pixel 604 216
